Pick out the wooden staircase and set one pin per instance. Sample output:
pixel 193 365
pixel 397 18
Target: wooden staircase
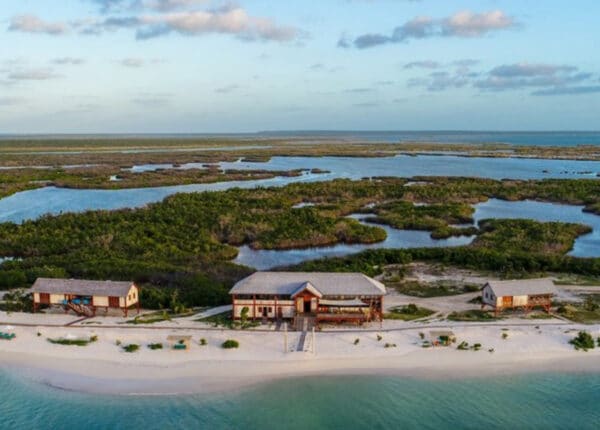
pixel 81 309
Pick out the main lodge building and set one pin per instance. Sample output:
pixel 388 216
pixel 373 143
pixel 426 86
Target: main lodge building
pixel 328 297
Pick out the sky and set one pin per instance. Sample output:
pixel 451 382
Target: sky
pixel 206 66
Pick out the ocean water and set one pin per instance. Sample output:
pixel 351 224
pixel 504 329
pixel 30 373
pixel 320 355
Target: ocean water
pixel 542 401
pixel 539 138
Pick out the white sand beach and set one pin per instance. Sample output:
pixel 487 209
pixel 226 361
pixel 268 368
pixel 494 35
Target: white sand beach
pixel 103 366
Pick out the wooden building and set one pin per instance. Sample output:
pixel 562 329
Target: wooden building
pixel 324 297
pixel 85 297
pixel 523 293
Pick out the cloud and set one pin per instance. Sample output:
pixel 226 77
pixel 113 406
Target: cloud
pixel 227 89
pixel 231 20
pixel 526 75
pixel 461 24
pixel 33 75
pixel 427 64
pixel 10 101
pixel 439 81
pixel 169 5
pixel 152 100
pixel 68 61
pixel 562 91
pixel 132 62
pixel 358 90
pixel 33 24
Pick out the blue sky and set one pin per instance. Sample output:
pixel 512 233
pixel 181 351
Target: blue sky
pixel 209 66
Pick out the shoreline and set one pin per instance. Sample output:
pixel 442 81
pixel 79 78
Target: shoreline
pixel 103 368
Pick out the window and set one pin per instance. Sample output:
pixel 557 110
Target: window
pixel 260 309
pixel 270 309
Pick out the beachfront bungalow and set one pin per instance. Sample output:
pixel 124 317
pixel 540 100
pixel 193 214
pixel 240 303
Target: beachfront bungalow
pixel 523 293
pixel 314 297
pixel 85 297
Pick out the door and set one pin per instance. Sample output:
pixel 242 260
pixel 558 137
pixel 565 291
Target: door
pixel 307 302
pixel 113 302
pixel 265 312
pixel 507 301
pixel 45 298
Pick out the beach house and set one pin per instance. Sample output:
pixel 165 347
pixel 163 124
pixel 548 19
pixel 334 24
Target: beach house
pixel 321 297
pixel 85 297
pixel 522 293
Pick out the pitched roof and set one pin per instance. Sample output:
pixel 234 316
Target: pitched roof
pixel 328 284
pixel 522 287
pixel 307 286
pixel 81 287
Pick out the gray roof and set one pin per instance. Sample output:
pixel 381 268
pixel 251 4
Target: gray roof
pixel 81 287
pixel 522 287
pixel 328 284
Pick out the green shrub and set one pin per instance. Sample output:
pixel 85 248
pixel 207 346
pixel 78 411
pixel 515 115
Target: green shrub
pixel 422 335
pixel 203 342
pixel 132 347
pixel 583 340
pixel 504 335
pixel 230 343
pixel 154 346
pixel 356 341
pixel 463 346
pixel 76 342
pixel 390 345
pixel 94 338
pixel 379 337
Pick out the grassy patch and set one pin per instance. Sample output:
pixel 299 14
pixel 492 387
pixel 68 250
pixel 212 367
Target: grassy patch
pixel 408 313
pixel 472 315
pixel 75 342
pixel 225 319
pixel 434 289
pixel 155 346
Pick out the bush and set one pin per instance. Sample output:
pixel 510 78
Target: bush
pixel 356 341
pixel 463 346
pixel 390 345
pixel 230 343
pixel 583 340
pixel 76 342
pixel 203 342
pixel 154 346
pixel 132 347
pixel 379 337
pixel 118 342
pixel 504 335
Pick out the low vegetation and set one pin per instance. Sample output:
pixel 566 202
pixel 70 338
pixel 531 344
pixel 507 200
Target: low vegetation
pixel 408 313
pixel 471 316
pixel 154 346
pixel 586 312
pixel 435 289
pixel 583 341
pixel 230 344
pixel 75 342
pixel 185 243
pixel 132 347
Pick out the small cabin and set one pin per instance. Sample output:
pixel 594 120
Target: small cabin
pixel 85 297
pixel 523 293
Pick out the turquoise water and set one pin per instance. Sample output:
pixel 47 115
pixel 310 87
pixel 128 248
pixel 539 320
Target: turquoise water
pixel 534 402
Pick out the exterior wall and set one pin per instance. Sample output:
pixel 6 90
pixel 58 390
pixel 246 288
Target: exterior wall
pixel 519 300
pixel 100 301
pixel 36 297
pixel 132 296
pixel 287 308
pixel 489 298
pixel 498 302
pixel 56 299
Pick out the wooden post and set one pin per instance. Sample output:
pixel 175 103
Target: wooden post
pixel 253 307
pixel 285 338
pixel 233 307
pixel 275 309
